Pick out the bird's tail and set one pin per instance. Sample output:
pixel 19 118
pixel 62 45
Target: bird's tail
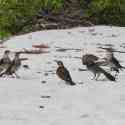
pixel 122 67
pixel 71 83
pixel 108 75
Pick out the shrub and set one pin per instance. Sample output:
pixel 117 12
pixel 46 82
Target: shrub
pixel 107 11
pixel 14 14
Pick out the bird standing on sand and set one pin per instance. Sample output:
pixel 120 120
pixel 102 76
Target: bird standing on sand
pixel 63 73
pixel 97 71
pixel 113 63
pixel 5 61
pixel 14 66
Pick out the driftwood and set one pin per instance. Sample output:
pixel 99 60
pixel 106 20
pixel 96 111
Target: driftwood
pixel 26 51
pixel 40 46
pixel 23 59
pixel 69 20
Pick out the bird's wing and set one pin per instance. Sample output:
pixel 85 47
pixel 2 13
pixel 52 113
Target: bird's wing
pixel 67 75
pixel 89 58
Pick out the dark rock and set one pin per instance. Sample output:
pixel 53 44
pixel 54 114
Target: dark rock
pixel 41 107
pixel 26 66
pixel 43 82
pixel 43 96
pixel 46 74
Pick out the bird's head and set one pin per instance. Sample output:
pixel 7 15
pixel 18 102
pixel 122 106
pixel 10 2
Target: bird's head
pixel 59 63
pixel 7 52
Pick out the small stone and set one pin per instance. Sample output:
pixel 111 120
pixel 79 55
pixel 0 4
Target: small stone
pixel 45 96
pixel 43 82
pixel 46 74
pixel 41 107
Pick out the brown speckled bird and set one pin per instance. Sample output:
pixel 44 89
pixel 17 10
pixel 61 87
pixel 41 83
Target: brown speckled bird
pixel 112 61
pixel 63 73
pixel 89 58
pixel 13 67
pixel 97 71
pixel 5 61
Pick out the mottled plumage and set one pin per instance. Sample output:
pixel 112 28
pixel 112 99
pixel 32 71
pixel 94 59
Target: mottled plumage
pixel 89 58
pixel 5 61
pixel 13 67
pixel 93 67
pixel 63 73
pixel 113 63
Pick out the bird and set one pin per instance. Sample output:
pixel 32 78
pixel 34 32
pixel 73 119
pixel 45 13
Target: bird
pixel 89 58
pixel 63 73
pixel 13 67
pixel 97 71
pixel 5 60
pixel 112 62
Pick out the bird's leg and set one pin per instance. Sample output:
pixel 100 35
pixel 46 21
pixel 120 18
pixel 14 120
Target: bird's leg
pixel 97 76
pixel 116 74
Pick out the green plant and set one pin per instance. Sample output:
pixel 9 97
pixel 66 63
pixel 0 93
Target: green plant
pixel 107 11
pixel 14 14
pixel 4 34
pixel 54 5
